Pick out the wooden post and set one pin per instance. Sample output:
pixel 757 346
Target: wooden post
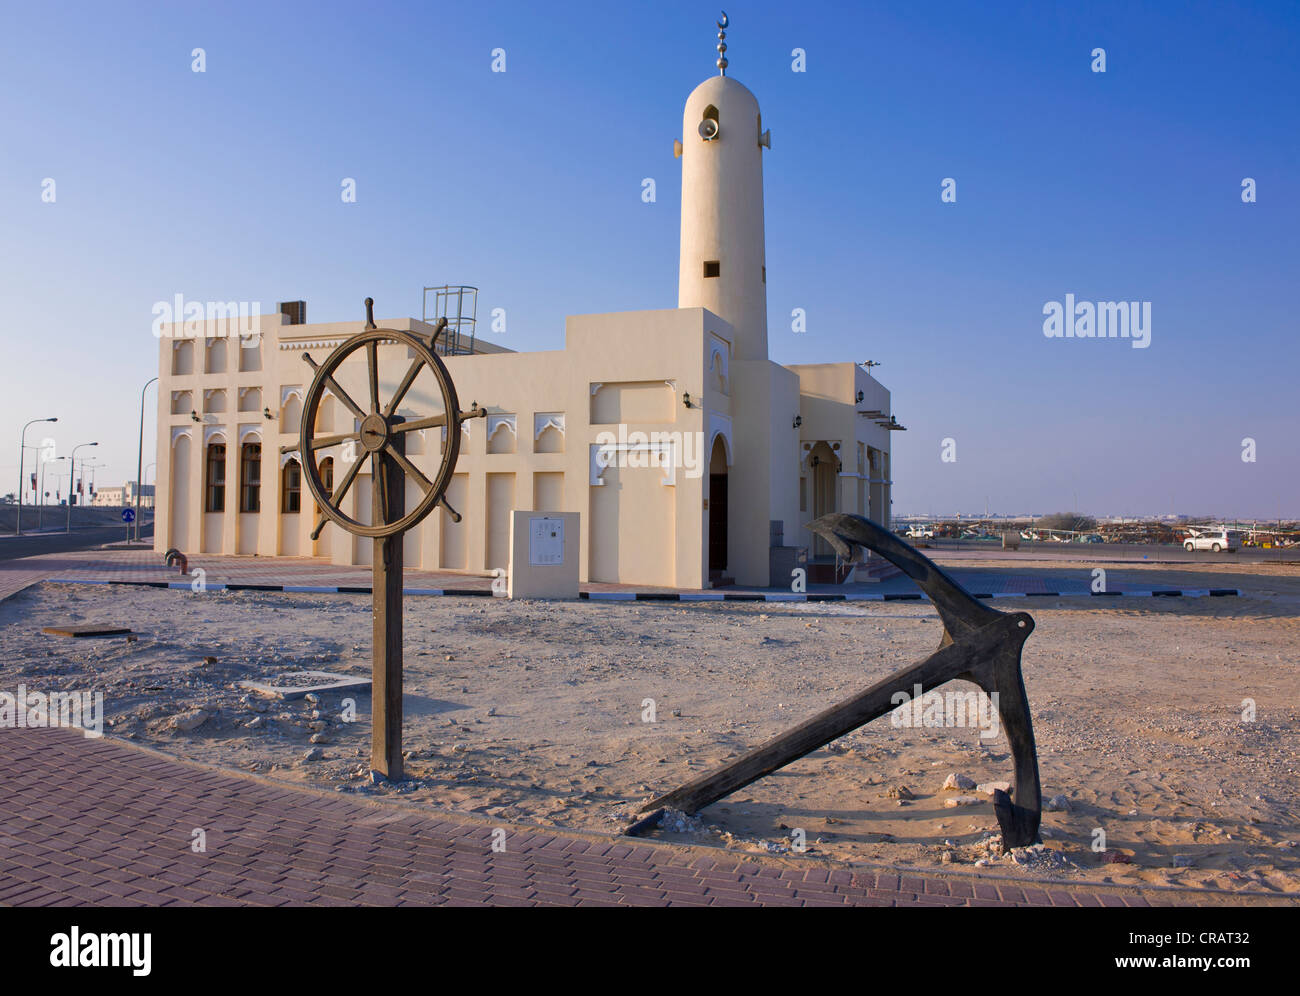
pixel 386 674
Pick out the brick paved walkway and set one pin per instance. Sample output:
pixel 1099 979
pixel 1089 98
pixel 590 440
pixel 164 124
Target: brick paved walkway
pixel 100 822
pixel 15 575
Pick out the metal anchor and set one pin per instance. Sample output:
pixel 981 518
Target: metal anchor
pixel 979 645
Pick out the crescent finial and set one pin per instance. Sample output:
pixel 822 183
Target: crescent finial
pixel 724 22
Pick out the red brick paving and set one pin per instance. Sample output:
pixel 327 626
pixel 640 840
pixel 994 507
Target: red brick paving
pixel 100 822
pixel 15 575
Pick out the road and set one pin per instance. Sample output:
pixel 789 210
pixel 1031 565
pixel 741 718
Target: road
pixel 32 544
pixel 1167 553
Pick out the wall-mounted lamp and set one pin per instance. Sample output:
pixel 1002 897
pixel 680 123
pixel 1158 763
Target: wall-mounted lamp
pixel 686 399
pixel 860 397
pixel 798 421
pixel 266 414
pixel 195 415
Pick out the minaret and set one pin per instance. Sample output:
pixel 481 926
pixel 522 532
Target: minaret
pixel 723 261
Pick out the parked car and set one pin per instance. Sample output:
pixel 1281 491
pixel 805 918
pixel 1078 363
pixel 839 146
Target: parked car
pixel 1091 538
pixel 1214 540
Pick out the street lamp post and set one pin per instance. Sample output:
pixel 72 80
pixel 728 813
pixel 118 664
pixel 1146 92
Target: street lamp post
pixel 89 467
pixel 40 511
pixel 22 452
pixel 139 460
pixel 72 475
pixel 153 503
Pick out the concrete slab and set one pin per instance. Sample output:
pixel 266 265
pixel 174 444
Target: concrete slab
pixel 85 631
pixel 295 684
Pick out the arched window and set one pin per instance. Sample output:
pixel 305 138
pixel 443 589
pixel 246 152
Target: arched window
pixel 327 475
pixel 216 356
pixel 291 414
pixel 325 420
pixel 250 477
pixel 215 489
pixel 291 487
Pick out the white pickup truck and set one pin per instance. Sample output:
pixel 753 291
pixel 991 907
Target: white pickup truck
pixel 1214 540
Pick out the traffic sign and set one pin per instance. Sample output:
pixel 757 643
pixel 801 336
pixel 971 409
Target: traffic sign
pixel 128 515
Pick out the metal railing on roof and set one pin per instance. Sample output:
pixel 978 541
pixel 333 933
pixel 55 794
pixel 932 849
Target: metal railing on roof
pixel 458 304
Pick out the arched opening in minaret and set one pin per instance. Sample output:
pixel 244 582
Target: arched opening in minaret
pixel 717 510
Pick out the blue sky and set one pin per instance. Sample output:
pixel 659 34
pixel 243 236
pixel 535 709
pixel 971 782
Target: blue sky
pixel 225 185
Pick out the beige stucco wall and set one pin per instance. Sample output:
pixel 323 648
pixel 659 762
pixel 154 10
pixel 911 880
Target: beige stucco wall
pixel 764 481
pixel 623 373
pixel 829 406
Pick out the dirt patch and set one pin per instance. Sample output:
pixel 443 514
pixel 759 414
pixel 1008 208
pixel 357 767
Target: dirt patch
pixel 539 712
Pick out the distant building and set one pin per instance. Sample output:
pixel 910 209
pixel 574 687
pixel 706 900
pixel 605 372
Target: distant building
pixel 123 497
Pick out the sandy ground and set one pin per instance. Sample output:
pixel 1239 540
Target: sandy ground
pixel 537 712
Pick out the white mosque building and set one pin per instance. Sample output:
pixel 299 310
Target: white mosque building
pixel 692 459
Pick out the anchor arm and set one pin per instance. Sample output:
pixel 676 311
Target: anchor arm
pixel 1019 814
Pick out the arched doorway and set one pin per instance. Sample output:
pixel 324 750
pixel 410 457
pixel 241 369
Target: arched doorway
pixel 718 511
pixel 322 546
pixel 823 465
pixel 179 512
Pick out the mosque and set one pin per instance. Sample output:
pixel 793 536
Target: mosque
pixel 692 459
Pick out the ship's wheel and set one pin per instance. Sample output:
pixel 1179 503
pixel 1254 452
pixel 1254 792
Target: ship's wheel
pixel 377 432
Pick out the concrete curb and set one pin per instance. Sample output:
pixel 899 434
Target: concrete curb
pixel 672 596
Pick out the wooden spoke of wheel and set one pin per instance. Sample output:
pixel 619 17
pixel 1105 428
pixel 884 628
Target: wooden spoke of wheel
pixel 335 390
pixel 372 362
pixel 379 479
pixel 324 442
pixel 411 469
pixel 413 371
pixel 336 498
pixel 455 516
pixel 416 366
pixel 433 421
